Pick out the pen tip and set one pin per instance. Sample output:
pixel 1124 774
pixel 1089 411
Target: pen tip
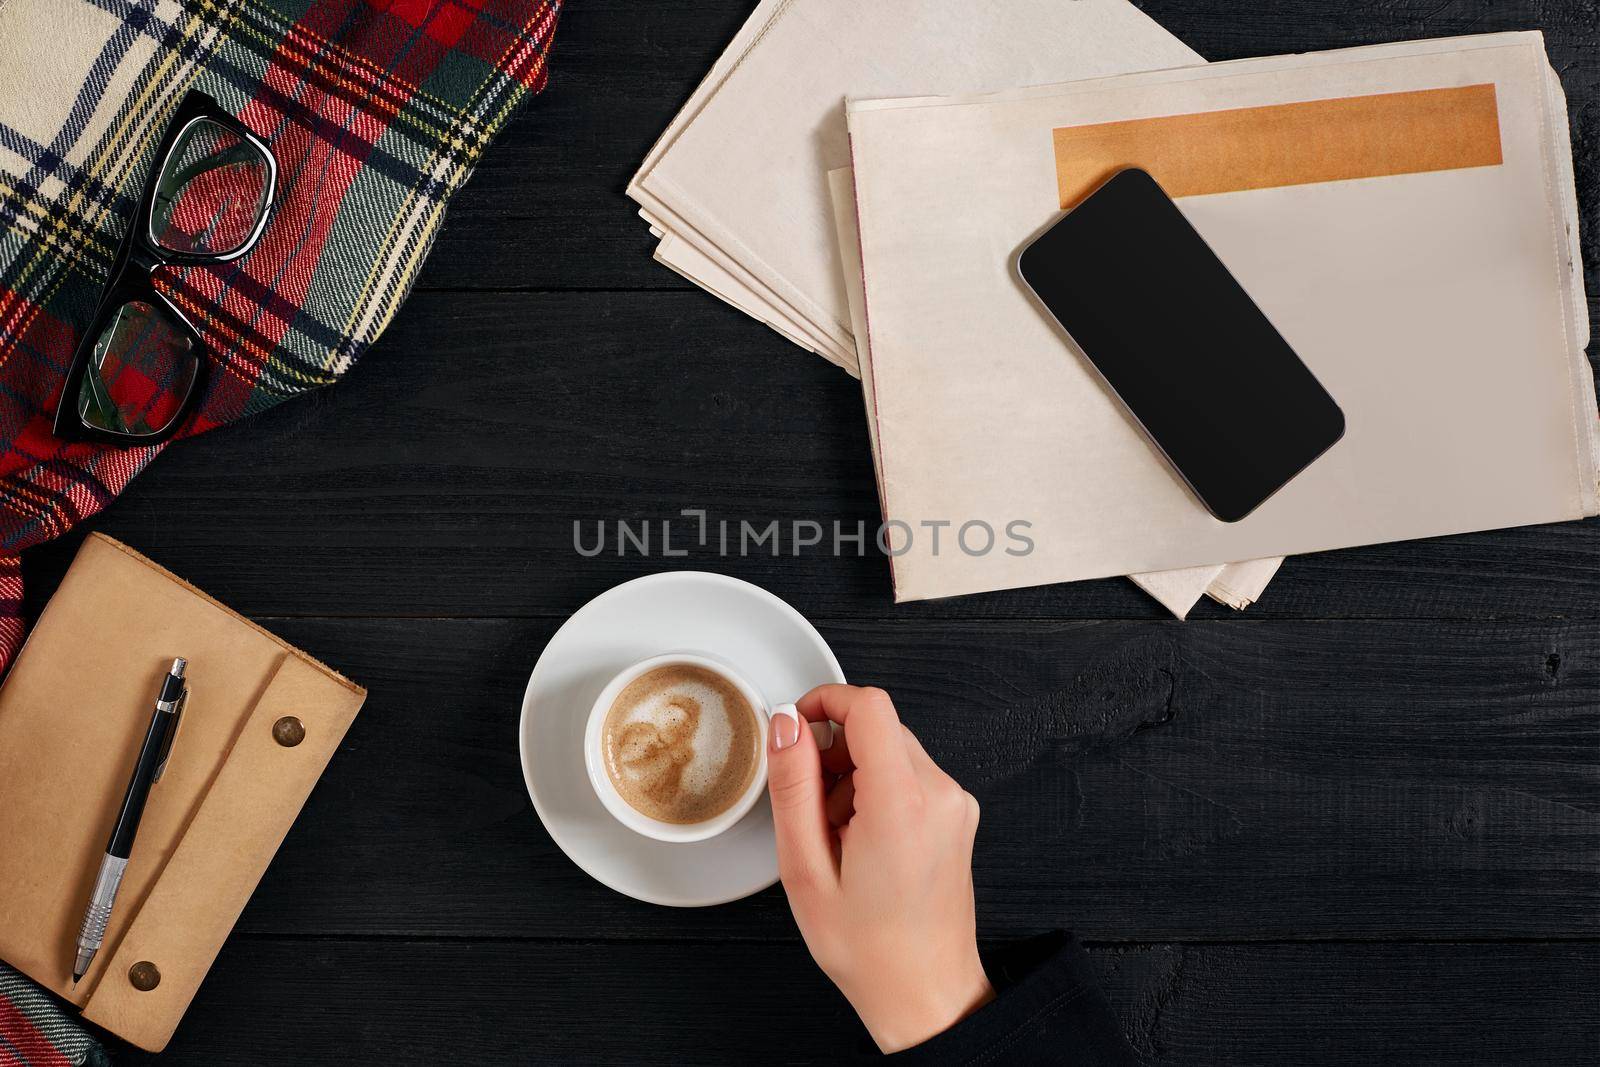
pixel 77 975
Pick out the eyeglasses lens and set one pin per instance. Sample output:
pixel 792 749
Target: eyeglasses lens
pixel 212 192
pixel 141 370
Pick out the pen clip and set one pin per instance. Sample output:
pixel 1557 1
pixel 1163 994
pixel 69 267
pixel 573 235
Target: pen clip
pixel 172 735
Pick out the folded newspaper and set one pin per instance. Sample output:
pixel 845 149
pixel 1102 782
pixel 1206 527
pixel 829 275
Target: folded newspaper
pixel 737 186
pixel 1404 214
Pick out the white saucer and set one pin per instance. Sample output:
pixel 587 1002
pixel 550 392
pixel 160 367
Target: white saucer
pixel 771 644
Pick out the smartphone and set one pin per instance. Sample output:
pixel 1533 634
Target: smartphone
pixel 1181 344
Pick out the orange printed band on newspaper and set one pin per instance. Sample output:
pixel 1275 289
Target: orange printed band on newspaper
pixel 1287 144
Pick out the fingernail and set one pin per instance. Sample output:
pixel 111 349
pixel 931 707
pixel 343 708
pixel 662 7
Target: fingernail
pixel 785 726
pixel 823 732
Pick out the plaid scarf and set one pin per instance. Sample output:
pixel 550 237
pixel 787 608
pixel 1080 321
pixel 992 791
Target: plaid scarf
pixel 36 1033
pixel 376 111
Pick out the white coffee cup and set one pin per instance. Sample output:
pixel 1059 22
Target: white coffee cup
pixel 631 817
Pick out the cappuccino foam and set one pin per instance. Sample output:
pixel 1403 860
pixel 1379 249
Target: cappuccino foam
pixel 681 743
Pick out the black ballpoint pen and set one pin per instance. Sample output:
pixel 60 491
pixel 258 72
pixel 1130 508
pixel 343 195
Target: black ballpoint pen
pixel 152 761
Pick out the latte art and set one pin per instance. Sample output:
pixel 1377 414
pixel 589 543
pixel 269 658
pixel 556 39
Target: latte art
pixel 681 744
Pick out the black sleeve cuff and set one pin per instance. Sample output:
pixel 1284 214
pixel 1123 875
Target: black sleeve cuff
pixel 1047 1009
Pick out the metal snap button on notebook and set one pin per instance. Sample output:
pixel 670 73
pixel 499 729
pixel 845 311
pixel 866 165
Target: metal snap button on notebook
pixel 144 975
pixel 288 731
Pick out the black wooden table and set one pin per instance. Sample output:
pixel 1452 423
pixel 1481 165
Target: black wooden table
pixel 1358 823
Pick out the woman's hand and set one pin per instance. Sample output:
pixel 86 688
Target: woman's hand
pixel 875 852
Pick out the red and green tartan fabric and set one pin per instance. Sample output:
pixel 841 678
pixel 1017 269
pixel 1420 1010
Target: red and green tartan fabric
pixel 376 111
pixel 34 1032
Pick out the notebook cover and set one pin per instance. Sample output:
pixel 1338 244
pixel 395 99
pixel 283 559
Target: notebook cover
pixel 72 714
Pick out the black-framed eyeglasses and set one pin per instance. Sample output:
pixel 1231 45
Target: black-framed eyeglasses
pixel 138 370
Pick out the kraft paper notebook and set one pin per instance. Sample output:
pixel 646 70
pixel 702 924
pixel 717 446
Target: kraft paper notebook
pixel 1404 214
pixel 72 713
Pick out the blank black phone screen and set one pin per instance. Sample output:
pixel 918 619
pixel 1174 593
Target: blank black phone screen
pixel 1192 357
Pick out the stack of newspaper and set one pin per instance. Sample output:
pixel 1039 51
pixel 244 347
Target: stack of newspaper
pixel 861 176
pixel 1406 216
pixel 736 189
